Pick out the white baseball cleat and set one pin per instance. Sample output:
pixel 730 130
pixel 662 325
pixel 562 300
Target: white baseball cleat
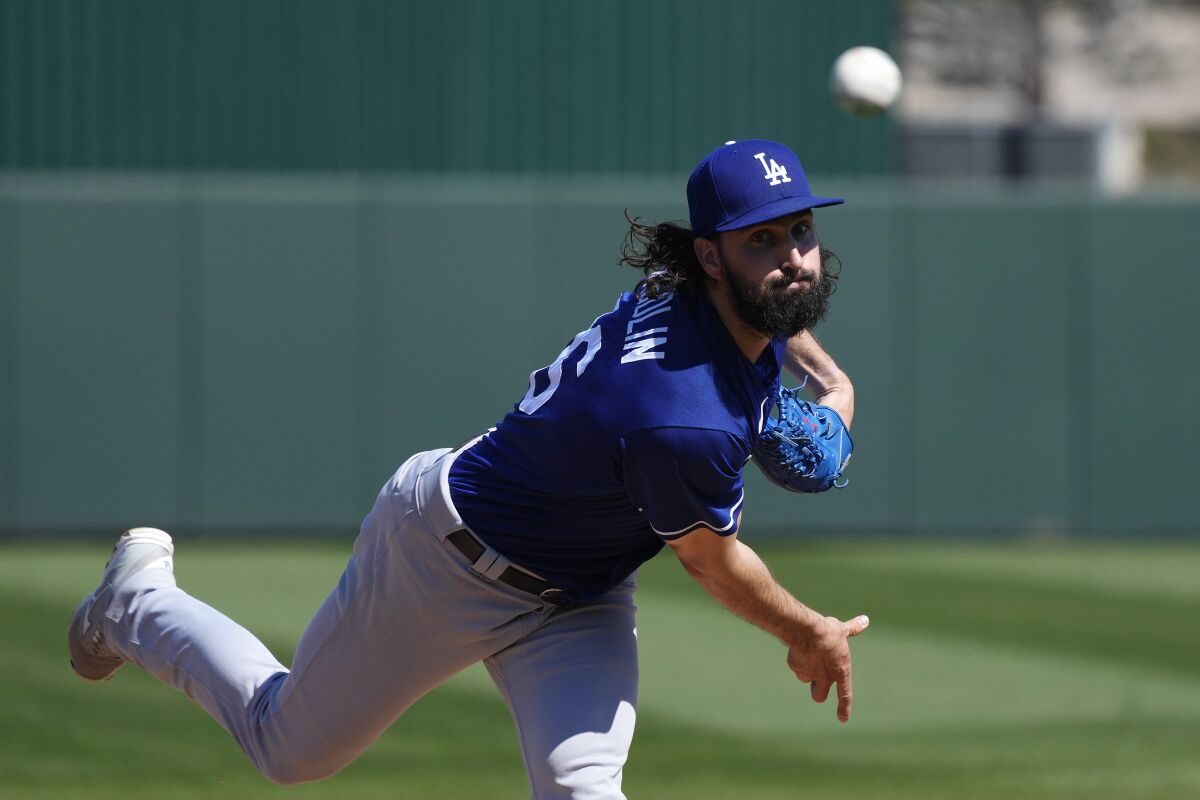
pixel 136 550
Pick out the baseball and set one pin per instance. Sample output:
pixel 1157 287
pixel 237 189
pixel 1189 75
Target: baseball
pixel 864 81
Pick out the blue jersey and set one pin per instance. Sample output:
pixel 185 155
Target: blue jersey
pixel 637 433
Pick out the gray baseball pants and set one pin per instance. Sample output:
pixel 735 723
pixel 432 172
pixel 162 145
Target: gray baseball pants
pixel 408 613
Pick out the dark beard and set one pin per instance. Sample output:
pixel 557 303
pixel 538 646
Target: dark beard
pixel 776 313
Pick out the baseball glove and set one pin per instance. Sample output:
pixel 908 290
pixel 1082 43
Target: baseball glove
pixel 803 447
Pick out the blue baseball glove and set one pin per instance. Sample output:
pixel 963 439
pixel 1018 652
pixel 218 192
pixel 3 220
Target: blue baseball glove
pixel 803 447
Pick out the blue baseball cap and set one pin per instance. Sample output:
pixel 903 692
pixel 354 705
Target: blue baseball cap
pixel 744 183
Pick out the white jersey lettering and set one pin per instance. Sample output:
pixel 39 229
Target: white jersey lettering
pixel 641 349
pixel 535 400
pixel 640 343
pixel 647 332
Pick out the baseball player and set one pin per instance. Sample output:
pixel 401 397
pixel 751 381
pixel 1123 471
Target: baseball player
pixel 519 548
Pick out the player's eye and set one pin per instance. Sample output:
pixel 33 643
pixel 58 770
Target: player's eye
pixel 762 237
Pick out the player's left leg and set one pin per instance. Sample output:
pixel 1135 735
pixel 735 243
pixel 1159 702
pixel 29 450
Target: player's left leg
pixel 407 613
pixel 572 688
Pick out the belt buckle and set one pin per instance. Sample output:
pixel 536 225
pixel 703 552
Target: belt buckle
pixel 555 597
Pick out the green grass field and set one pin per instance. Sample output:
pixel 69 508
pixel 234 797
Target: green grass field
pixel 989 671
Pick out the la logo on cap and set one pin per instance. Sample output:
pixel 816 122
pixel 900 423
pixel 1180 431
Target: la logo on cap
pixel 726 190
pixel 775 173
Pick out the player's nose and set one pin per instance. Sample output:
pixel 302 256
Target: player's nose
pixel 793 260
pixel 797 264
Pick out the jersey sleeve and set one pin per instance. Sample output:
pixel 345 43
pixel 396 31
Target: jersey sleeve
pixel 685 478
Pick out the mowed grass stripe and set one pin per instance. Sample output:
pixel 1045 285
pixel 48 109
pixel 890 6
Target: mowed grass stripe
pixel 273 588
pixel 940 713
pixel 1153 569
pixel 132 738
pixel 1157 634
pixel 904 681
pixel 1096 761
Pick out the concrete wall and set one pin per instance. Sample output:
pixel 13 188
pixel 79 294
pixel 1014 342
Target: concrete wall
pixel 259 353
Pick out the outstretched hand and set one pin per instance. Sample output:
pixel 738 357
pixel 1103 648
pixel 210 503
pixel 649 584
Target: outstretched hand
pixel 822 660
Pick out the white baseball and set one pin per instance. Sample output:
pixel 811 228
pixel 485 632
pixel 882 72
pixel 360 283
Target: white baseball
pixel 865 81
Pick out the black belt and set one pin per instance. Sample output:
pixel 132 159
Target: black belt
pixel 472 548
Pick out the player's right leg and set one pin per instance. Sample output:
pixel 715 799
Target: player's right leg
pixel 406 614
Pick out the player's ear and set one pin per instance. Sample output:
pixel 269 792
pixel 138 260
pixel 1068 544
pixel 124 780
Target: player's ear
pixel 706 254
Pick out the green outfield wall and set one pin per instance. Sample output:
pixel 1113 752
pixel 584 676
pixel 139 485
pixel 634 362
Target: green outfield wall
pixel 530 86
pixel 238 353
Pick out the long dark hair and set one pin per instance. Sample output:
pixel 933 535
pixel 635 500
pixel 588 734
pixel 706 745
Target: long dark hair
pixel 666 256
pixel 663 252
